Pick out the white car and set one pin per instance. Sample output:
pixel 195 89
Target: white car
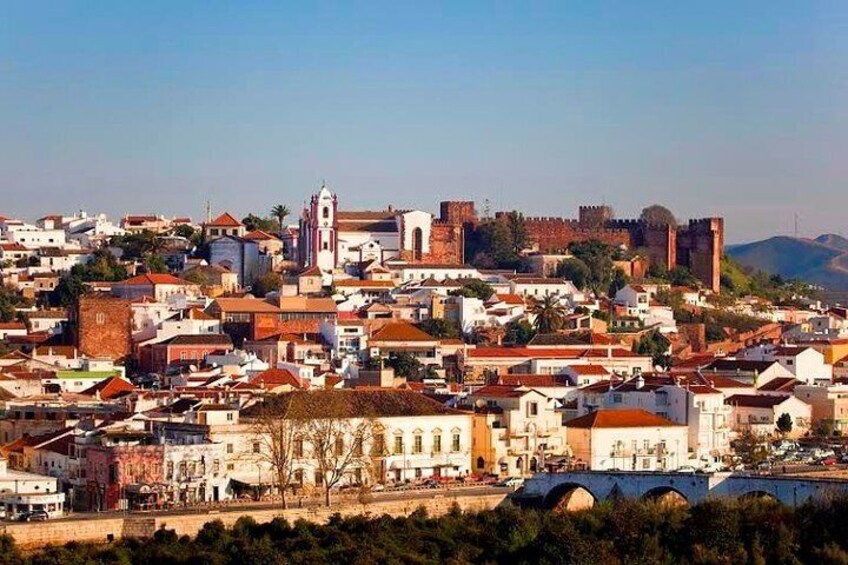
pixel 689 469
pixel 512 482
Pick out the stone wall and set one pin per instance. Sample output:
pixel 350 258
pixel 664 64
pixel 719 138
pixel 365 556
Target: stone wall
pixel 96 530
pixel 103 327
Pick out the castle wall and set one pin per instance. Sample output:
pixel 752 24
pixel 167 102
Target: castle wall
pixel 555 234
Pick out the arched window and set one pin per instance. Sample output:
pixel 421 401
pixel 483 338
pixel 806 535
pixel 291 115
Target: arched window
pixel 481 463
pixel 417 243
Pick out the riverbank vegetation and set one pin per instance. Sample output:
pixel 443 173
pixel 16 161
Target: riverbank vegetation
pixel 715 532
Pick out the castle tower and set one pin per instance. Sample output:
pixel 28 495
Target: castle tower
pixel 320 228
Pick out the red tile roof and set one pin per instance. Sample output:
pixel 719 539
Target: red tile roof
pixel 589 370
pixel 401 331
pixel 225 220
pixel 629 418
pixel 500 391
pixel 259 235
pixel 273 378
pixel 154 279
pixel 755 400
pixel 110 388
pixel 535 381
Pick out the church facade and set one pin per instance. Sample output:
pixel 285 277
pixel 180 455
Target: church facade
pixel 330 238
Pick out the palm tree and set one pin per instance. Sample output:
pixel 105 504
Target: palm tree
pixel 280 212
pixel 550 314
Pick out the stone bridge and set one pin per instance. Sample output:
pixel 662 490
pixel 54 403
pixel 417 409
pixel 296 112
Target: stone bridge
pixel 580 489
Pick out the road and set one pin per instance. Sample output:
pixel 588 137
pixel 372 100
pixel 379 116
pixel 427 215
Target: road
pixel 312 502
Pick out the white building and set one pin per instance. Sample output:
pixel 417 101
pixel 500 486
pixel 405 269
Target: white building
pixel 627 439
pixel 760 413
pixel 24 492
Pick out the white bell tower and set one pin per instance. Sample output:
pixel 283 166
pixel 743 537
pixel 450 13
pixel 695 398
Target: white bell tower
pixel 324 229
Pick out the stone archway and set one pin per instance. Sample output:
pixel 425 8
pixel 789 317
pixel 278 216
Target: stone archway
pixel 666 496
pixel 417 244
pixel 569 497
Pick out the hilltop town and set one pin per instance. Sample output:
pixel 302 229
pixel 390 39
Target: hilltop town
pixel 148 363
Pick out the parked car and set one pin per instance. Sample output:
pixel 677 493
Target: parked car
pixel 828 461
pixel 34 516
pixel 687 469
pixel 512 482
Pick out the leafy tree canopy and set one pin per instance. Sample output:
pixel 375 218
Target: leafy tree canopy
pixel 658 215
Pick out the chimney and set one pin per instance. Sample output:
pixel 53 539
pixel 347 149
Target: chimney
pixel 640 382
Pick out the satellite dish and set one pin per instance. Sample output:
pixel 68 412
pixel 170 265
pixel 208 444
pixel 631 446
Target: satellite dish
pixel 192 368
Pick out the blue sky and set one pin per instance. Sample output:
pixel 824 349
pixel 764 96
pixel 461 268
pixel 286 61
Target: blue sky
pixel 727 108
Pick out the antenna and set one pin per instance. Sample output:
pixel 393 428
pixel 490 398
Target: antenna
pixel 796 225
pixel 208 211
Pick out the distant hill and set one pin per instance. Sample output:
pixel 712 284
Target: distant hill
pixel 822 261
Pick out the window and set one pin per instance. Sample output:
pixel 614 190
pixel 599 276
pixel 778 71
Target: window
pixel 229 448
pixel 398 450
pixel 298 476
pixel 325 213
pixel 256 447
pixel 319 478
pixel 455 442
pixel 100 318
pixel 417 444
pixel 532 408
pixel 417 472
pixel 646 463
pixel 379 446
pixel 339 447
pixel 481 463
pixel 298 448
pixel 229 416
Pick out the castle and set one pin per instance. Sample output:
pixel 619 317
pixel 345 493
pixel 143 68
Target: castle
pixel 697 245
pixel 330 238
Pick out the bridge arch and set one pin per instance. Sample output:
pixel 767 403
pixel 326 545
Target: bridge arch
pixel 667 496
pixel 569 497
pixel 759 494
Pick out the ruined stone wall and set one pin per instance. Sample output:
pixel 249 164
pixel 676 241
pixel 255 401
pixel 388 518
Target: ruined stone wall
pixel 103 327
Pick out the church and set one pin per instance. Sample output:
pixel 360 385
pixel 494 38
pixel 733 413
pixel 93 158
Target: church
pixel 330 238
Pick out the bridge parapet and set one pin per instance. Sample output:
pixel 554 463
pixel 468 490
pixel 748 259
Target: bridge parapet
pixel 549 488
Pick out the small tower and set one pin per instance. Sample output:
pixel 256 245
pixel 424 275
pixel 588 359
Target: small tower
pixel 323 230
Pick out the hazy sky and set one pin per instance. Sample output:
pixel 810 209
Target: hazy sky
pixel 730 108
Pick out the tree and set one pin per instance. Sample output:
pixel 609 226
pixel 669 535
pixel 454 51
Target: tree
pixel 136 245
pixel 439 328
pixel 658 215
pixel 517 230
pixel 9 302
pixel 405 364
pixel 598 257
pixel 657 346
pixel 576 271
pixel 280 212
pixel 619 281
pixel 252 222
pixel 681 276
pixel 519 332
pixel 185 231
pixel 784 424
pixel 474 289
pixel 279 431
pixel 549 313
pixel 338 441
pixel 498 242
pixel 155 264
pixel 269 282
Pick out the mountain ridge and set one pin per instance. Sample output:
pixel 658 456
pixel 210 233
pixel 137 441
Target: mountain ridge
pixel 822 260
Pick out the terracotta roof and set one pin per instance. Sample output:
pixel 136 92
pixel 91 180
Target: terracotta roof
pixel 535 381
pixel 353 403
pixel 198 314
pixel 245 305
pixel 259 235
pixel 48 314
pixel 110 388
pixel 628 418
pixel 273 378
pixel 755 400
pixel 355 283
pixel 307 305
pixel 512 299
pixel 741 365
pixel 225 220
pixel 367 215
pixel 790 350
pixel 222 340
pixel 549 353
pixel 154 279
pixel 501 391
pixel 379 226
pixel 12 326
pixel 596 370
pixel 12 247
pixel 780 384
pixel 401 331
pixel 540 281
